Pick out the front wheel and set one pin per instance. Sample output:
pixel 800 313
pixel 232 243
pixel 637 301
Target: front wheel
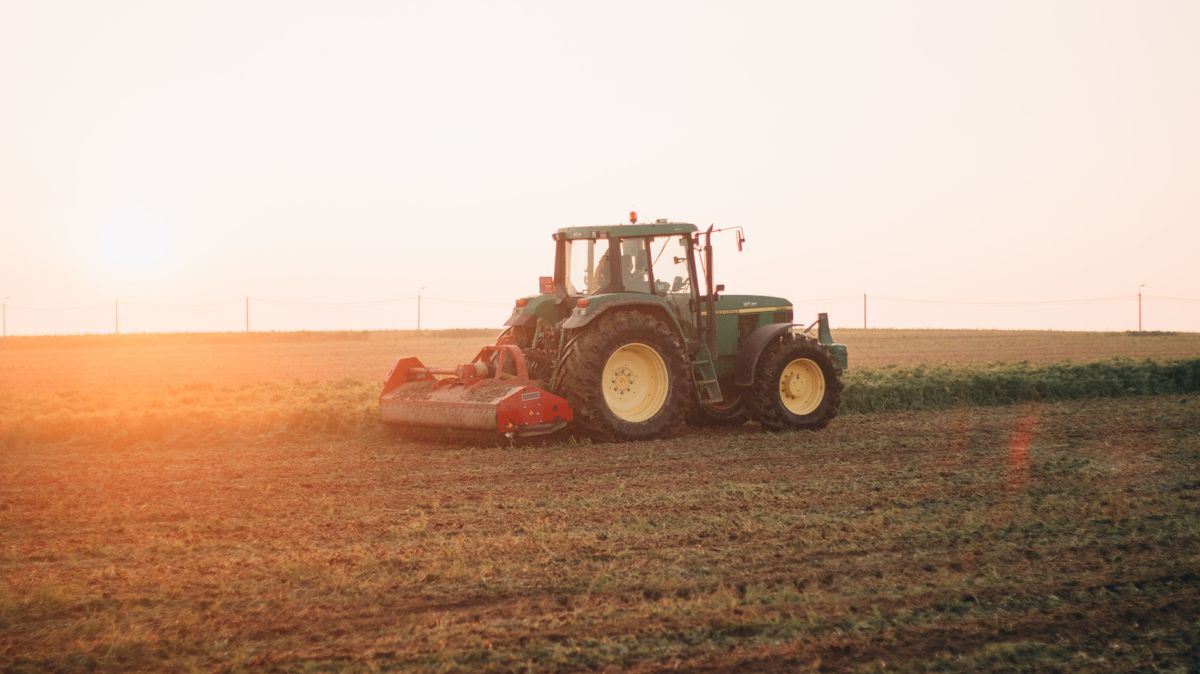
pixel 797 385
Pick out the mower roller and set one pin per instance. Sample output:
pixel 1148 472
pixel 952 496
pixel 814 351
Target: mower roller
pixel 627 341
pixel 491 393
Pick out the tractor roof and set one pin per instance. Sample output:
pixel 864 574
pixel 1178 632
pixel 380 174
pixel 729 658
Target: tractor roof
pixel 604 231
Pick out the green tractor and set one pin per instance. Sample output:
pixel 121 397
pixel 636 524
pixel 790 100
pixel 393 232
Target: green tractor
pixel 629 340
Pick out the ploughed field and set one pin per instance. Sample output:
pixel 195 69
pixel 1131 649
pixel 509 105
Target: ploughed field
pixel 228 502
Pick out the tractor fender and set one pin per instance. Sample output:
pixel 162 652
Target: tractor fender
pixel 580 318
pixel 747 355
pixel 527 312
pixel 521 320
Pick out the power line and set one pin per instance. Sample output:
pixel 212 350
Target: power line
pixel 198 305
pixel 498 302
pixel 396 300
pixel 828 299
pixel 152 311
pixel 217 303
pixel 462 301
pixel 75 308
pixel 1172 299
pixel 1003 303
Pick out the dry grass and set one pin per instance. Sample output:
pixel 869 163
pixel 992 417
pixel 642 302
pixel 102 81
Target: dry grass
pixel 1063 536
pixel 122 362
pixel 193 413
pixel 107 362
pixel 910 348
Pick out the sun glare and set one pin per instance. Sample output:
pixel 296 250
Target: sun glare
pixel 135 249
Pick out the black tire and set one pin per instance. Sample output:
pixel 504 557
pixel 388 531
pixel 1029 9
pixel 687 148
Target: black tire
pixel 768 401
pixel 730 412
pixel 579 376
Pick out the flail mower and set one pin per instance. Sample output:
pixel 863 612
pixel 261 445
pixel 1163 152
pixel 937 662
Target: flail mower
pixel 627 341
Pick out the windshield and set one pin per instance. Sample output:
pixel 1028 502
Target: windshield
pixel 661 260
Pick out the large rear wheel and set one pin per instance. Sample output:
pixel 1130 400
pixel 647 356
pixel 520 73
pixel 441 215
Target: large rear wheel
pixel 626 378
pixel 797 385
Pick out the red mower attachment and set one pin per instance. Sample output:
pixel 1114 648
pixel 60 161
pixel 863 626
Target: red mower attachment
pixel 491 393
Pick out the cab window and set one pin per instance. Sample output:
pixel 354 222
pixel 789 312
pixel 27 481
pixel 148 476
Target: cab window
pixel 670 265
pixel 635 266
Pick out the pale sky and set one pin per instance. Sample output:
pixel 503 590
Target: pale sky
pixel 179 156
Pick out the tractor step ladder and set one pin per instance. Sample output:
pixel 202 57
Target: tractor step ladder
pixel 705 374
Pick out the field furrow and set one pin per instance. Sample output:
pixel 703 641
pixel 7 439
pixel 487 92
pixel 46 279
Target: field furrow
pixel 897 537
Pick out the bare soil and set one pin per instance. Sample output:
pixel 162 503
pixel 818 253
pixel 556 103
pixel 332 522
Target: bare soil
pixel 1051 537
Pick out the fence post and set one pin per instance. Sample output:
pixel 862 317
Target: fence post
pixel 1140 309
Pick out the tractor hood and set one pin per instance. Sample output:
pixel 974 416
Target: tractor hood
pixel 751 304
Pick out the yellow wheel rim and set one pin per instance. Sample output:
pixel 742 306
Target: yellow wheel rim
pixel 635 382
pixel 801 386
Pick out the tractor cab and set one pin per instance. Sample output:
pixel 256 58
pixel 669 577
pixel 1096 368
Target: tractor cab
pixel 649 259
pixel 653 265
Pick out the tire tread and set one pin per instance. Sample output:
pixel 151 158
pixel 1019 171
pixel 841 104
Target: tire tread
pixel 577 377
pixel 765 404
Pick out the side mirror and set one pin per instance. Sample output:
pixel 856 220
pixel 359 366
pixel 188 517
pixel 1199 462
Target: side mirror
pixel 740 240
pixel 720 287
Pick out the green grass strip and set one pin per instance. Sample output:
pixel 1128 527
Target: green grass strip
pixel 893 388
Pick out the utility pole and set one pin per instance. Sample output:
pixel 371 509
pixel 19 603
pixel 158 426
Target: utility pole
pixel 864 311
pixel 419 307
pixel 1140 307
pixel 116 319
pixel 247 315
